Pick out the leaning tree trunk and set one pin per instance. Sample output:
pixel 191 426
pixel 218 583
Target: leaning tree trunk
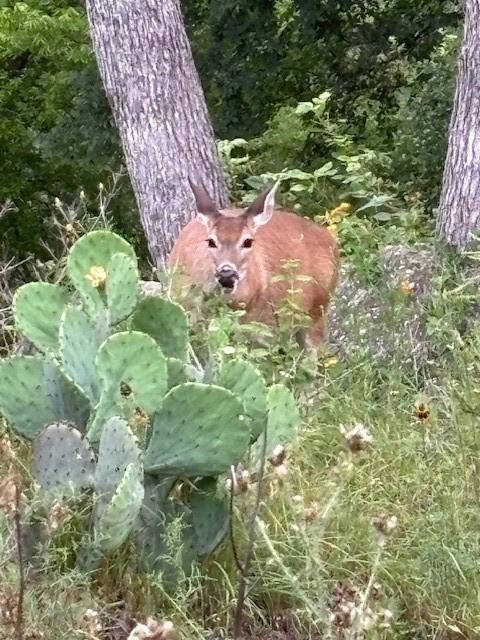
pixel 147 69
pixel 459 208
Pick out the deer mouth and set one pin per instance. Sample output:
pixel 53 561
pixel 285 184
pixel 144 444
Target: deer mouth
pixel 227 278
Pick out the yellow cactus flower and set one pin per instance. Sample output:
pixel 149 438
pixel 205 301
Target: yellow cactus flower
pixel 97 276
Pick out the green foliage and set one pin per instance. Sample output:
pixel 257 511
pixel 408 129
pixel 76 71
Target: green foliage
pixel 37 309
pixel 139 412
pixel 117 520
pixel 92 260
pixel 131 362
pixel 198 431
pixel 172 334
pixel 34 393
pixel 62 458
pixel 243 379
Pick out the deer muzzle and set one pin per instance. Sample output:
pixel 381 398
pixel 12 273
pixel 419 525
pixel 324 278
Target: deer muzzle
pixel 227 276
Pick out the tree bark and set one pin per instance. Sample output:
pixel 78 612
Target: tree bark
pixel 459 208
pixel 147 68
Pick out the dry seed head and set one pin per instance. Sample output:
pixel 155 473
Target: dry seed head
pixel 7 454
pixel 385 525
pixel 311 512
pixel 278 455
pixel 153 631
pixel 90 623
pixel 8 492
pixel 97 276
pixel 357 438
pixel 58 514
pixel 281 471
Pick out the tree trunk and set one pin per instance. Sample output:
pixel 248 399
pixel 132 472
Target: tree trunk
pixel 459 208
pixel 147 68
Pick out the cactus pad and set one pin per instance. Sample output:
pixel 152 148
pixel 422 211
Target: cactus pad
pixel 94 249
pixel 242 378
pixel 121 286
pixel 78 348
pixel 37 309
pixel 200 430
pixel 135 360
pixel 34 393
pixel 117 520
pixel 283 418
pixel 118 448
pixel 62 458
pixel 210 515
pixel 166 542
pixel 166 322
pixel 108 407
pixel 176 372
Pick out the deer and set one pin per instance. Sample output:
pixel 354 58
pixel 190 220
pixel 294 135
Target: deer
pixel 242 252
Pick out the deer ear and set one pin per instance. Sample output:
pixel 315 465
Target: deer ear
pixel 261 210
pixel 206 208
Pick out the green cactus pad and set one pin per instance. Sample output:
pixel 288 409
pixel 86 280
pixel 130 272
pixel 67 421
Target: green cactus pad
pixel 37 309
pixel 166 542
pixel 245 380
pixel 108 407
pixel 34 393
pixel 94 249
pixel 200 430
pixel 134 359
pixel 210 514
pixel 176 372
pixel 118 448
pixel 166 322
pixel 283 418
pixel 62 459
pixel 117 520
pixel 79 343
pixel 121 287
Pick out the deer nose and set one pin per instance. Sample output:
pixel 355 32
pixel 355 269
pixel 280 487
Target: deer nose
pixel 226 276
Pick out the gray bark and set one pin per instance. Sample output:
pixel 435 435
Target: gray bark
pixel 149 75
pixel 459 208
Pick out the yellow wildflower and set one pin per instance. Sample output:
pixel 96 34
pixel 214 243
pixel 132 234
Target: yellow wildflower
pixel 330 362
pixel 406 287
pixel 338 213
pixel 97 276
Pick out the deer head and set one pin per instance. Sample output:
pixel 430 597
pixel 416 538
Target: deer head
pixel 231 239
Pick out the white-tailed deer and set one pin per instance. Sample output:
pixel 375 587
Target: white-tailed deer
pixel 241 250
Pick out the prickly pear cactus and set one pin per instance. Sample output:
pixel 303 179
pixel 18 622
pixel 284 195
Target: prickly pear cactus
pixel 200 430
pixel 121 287
pixel 62 459
pixel 133 361
pixel 166 322
pixel 79 342
pixel 34 393
pixel 176 372
pixel 166 542
pixel 90 256
pixel 115 523
pixel 282 421
pixel 245 380
pixel 210 514
pixel 37 309
pixel 118 448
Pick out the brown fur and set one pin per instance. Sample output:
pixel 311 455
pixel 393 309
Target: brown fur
pixel 286 236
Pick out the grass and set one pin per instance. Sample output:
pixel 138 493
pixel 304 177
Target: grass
pixel 315 531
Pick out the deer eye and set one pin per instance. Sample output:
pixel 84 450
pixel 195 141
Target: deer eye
pixel 247 243
pixel 211 243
